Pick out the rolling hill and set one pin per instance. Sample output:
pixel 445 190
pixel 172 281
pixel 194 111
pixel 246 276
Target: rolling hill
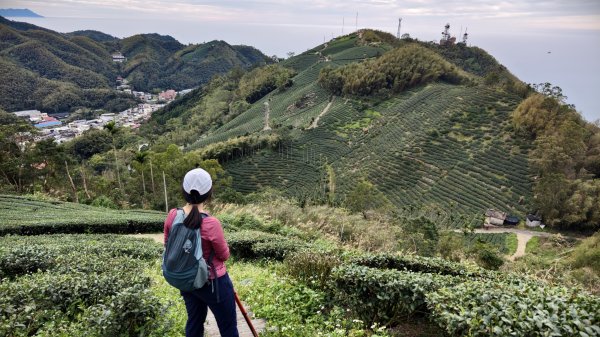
pixel 442 142
pixel 56 72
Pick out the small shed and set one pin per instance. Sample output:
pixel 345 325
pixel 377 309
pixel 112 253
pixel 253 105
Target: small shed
pixel 533 220
pixel 511 220
pixel 495 217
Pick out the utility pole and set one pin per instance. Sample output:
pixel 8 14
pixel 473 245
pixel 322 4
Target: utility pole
pixel 399 25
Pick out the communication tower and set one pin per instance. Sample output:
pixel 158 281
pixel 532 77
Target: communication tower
pixel 465 36
pixel 446 38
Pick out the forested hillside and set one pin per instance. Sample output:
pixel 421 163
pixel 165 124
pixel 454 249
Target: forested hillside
pixel 421 129
pixel 55 72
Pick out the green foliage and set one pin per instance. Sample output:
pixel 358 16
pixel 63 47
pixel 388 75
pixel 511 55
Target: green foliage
pixel 368 36
pixel 487 256
pixel 587 254
pixel 385 296
pixel 564 158
pixel 255 84
pixel 520 308
pixel 365 197
pixel 248 244
pixel 312 267
pixel 419 264
pixel 293 309
pixel 497 241
pixel 397 70
pixel 61 72
pixel 64 217
pixel 424 233
pixel 90 143
pixel 82 285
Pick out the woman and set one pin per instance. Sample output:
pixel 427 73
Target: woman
pixel 217 294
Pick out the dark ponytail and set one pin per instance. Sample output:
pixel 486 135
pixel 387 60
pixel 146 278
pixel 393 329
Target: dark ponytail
pixel 194 219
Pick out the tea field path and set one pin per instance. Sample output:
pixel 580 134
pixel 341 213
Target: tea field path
pixel 211 329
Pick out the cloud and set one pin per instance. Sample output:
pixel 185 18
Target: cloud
pixel 577 14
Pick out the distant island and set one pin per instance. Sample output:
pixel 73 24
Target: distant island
pixel 20 13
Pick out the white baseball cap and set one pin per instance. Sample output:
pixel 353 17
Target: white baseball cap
pixel 197 179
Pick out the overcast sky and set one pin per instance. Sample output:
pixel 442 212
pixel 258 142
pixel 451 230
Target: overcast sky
pixel 539 41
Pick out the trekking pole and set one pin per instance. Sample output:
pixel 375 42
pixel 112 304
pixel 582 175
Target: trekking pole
pixel 245 314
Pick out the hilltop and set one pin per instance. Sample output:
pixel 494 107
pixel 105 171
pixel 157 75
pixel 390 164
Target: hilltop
pixel 422 123
pixel 56 72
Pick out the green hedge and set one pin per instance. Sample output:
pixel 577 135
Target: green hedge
pixel 23 215
pixel 385 296
pixel 255 245
pixel 520 308
pixel 84 285
pixel 422 264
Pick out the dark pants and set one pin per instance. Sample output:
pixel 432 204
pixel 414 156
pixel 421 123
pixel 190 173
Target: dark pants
pixel 197 302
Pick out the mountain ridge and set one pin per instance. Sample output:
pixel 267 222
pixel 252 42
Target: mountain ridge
pixel 82 60
pixel 417 146
pixel 19 12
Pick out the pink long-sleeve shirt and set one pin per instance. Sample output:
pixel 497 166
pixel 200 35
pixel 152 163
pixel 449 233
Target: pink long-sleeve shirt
pixel 213 237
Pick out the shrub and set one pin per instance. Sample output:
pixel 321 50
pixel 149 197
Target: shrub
pixel 311 266
pixel 104 201
pixel 254 245
pixel 385 296
pixel 24 260
pixel 518 308
pixel 587 254
pixel 82 285
pixel 487 256
pixel 419 264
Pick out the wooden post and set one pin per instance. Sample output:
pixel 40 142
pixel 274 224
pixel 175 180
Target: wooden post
pixel 72 184
pixel 165 185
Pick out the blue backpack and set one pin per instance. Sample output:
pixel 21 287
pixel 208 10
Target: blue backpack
pixel 183 265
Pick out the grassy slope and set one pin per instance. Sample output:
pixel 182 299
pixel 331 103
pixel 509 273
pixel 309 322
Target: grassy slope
pixel 439 144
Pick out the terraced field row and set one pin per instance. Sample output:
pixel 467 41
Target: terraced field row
pixel 24 215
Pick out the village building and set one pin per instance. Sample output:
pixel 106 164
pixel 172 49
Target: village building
pixel 494 217
pixel 118 57
pixel 533 220
pixel 107 117
pixel 168 95
pixel 31 115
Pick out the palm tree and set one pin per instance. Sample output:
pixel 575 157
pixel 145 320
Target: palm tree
pixel 140 157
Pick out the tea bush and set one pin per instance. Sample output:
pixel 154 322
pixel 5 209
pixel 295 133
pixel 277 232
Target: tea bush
pixel 519 308
pixel 28 216
pixel 385 296
pixel 83 285
pixel 256 245
pixel 417 263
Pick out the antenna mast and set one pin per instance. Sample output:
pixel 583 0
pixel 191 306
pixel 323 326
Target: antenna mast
pixel 343 24
pixel 399 25
pixel 356 22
